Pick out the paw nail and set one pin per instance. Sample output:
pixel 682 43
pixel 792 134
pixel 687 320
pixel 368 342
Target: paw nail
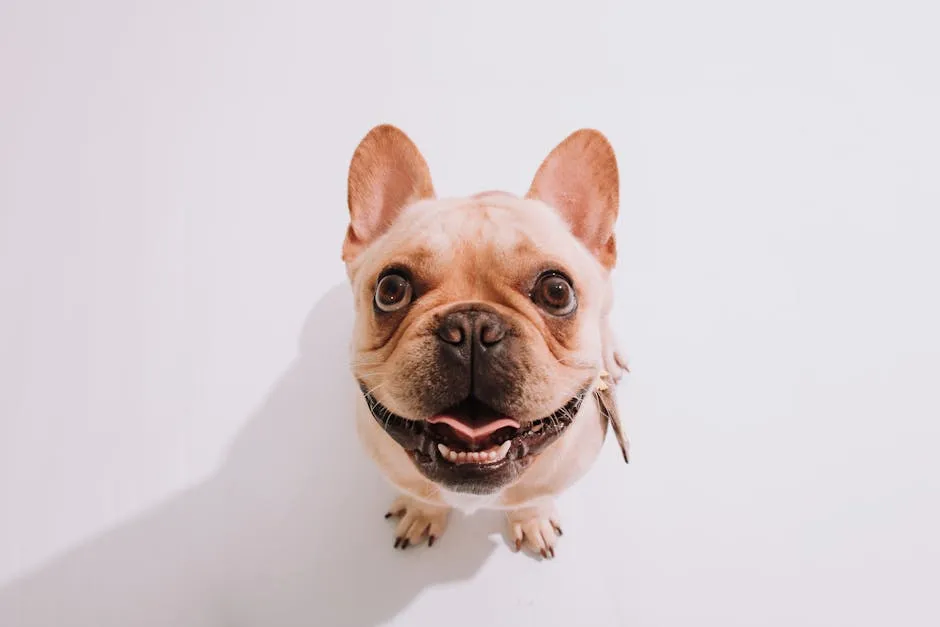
pixel 397 542
pixel 551 550
pixel 404 545
pixel 544 553
pixel 431 540
pixel 388 515
pixel 518 544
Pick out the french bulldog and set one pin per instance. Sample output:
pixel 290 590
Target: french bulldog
pixel 482 342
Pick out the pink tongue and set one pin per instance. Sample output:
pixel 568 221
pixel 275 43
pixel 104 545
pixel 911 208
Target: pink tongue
pixel 471 433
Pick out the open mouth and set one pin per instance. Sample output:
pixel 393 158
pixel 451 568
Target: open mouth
pixel 470 440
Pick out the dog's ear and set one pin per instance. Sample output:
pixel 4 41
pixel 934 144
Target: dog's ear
pixel 387 174
pixel 579 179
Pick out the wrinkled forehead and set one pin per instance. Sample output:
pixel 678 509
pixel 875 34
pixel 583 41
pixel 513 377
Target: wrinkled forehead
pixel 494 231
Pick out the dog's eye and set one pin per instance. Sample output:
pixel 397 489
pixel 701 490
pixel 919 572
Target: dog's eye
pixel 554 294
pixel 392 293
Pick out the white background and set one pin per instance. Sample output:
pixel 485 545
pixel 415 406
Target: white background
pixel 176 442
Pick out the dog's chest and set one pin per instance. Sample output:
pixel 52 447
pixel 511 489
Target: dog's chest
pixel 470 503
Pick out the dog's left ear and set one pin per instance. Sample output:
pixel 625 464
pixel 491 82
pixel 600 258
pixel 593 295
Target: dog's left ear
pixel 579 179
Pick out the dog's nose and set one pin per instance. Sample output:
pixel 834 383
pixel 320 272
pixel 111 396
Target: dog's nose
pixel 469 330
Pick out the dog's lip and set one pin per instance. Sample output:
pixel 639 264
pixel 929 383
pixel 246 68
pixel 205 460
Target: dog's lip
pixel 383 414
pixel 417 438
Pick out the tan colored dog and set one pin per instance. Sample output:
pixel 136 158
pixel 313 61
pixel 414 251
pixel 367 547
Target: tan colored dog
pixel 482 343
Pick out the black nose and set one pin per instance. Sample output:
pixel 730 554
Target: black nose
pixel 465 332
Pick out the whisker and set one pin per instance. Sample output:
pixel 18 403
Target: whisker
pixel 366 367
pixel 376 387
pixel 365 361
pixel 578 364
pixel 388 416
pixel 373 373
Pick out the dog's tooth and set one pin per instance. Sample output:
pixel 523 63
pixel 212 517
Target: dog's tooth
pixel 536 428
pixel 503 449
pixel 492 456
pixel 443 449
pixel 461 456
pixel 452 456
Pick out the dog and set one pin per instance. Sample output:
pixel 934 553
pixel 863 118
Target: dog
pixel 482 342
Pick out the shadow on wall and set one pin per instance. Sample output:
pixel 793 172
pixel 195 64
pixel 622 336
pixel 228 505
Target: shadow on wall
pixel 289 531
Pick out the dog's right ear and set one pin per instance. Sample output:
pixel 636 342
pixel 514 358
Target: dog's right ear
pixel 579 179
pixel 386 175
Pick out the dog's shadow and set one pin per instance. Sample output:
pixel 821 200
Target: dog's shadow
pixel 289 531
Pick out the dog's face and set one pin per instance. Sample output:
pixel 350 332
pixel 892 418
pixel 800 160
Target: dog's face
pixel 478 329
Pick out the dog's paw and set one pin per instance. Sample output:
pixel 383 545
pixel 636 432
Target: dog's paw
pixel 535 529
pixel 417 520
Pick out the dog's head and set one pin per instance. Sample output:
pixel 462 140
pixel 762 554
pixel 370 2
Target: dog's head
pixel 478 329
